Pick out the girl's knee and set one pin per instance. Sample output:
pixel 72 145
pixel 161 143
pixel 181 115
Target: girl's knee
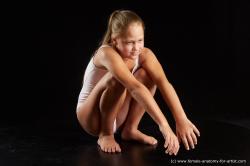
pixel 141 73
pixel 113 83
pixel 144 78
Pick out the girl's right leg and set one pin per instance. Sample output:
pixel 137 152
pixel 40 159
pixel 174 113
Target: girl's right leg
pixel 98 112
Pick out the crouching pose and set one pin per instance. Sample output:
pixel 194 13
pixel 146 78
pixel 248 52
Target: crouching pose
pixel 118 87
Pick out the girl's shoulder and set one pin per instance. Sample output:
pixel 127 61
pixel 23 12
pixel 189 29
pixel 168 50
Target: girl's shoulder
pixel 105 52
pixel 105 49
pixel 146 50
pixel 105 46
pixel 146 53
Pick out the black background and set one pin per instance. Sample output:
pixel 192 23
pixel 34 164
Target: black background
pixel 203 47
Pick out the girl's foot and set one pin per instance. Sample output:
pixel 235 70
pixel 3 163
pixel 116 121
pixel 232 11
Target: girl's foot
pixel 108 144
pixel 137 135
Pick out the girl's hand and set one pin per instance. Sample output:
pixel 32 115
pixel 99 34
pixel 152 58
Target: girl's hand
pixel 171 141
pixel 187 133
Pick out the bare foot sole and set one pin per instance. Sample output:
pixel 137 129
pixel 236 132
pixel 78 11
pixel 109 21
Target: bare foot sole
pixel 108 144
pixel 137 135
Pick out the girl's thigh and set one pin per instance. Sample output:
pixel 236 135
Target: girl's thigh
pixel 88 112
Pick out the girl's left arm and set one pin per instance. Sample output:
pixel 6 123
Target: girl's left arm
pixel 185 129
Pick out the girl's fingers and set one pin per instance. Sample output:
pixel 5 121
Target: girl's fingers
pixel 190 141
pixel 194 138
pixel 169 146
pixel 185 142
pixel 173 147
pixel 197 132
pixel 176 147
pixel 166 143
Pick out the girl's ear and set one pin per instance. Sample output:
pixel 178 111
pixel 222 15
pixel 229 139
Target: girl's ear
pixel 113 42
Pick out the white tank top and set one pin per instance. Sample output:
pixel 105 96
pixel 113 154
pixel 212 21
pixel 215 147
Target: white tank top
pixel 93 74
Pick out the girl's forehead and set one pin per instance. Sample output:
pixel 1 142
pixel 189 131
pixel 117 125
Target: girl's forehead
pixel 134 27
pixel 134 31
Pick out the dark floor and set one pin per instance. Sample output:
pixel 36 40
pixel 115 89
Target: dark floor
pixel 222 142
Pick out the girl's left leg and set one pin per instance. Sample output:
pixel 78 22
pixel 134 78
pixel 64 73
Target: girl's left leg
pixel 135 112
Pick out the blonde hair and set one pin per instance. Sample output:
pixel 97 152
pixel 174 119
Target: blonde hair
pixel 118 22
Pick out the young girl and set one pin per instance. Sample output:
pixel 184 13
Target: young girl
pixel 119 84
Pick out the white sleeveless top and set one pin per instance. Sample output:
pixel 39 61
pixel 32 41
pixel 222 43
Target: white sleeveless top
pixel 93 74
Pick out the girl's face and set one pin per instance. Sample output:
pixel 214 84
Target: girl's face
pixel 131 42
